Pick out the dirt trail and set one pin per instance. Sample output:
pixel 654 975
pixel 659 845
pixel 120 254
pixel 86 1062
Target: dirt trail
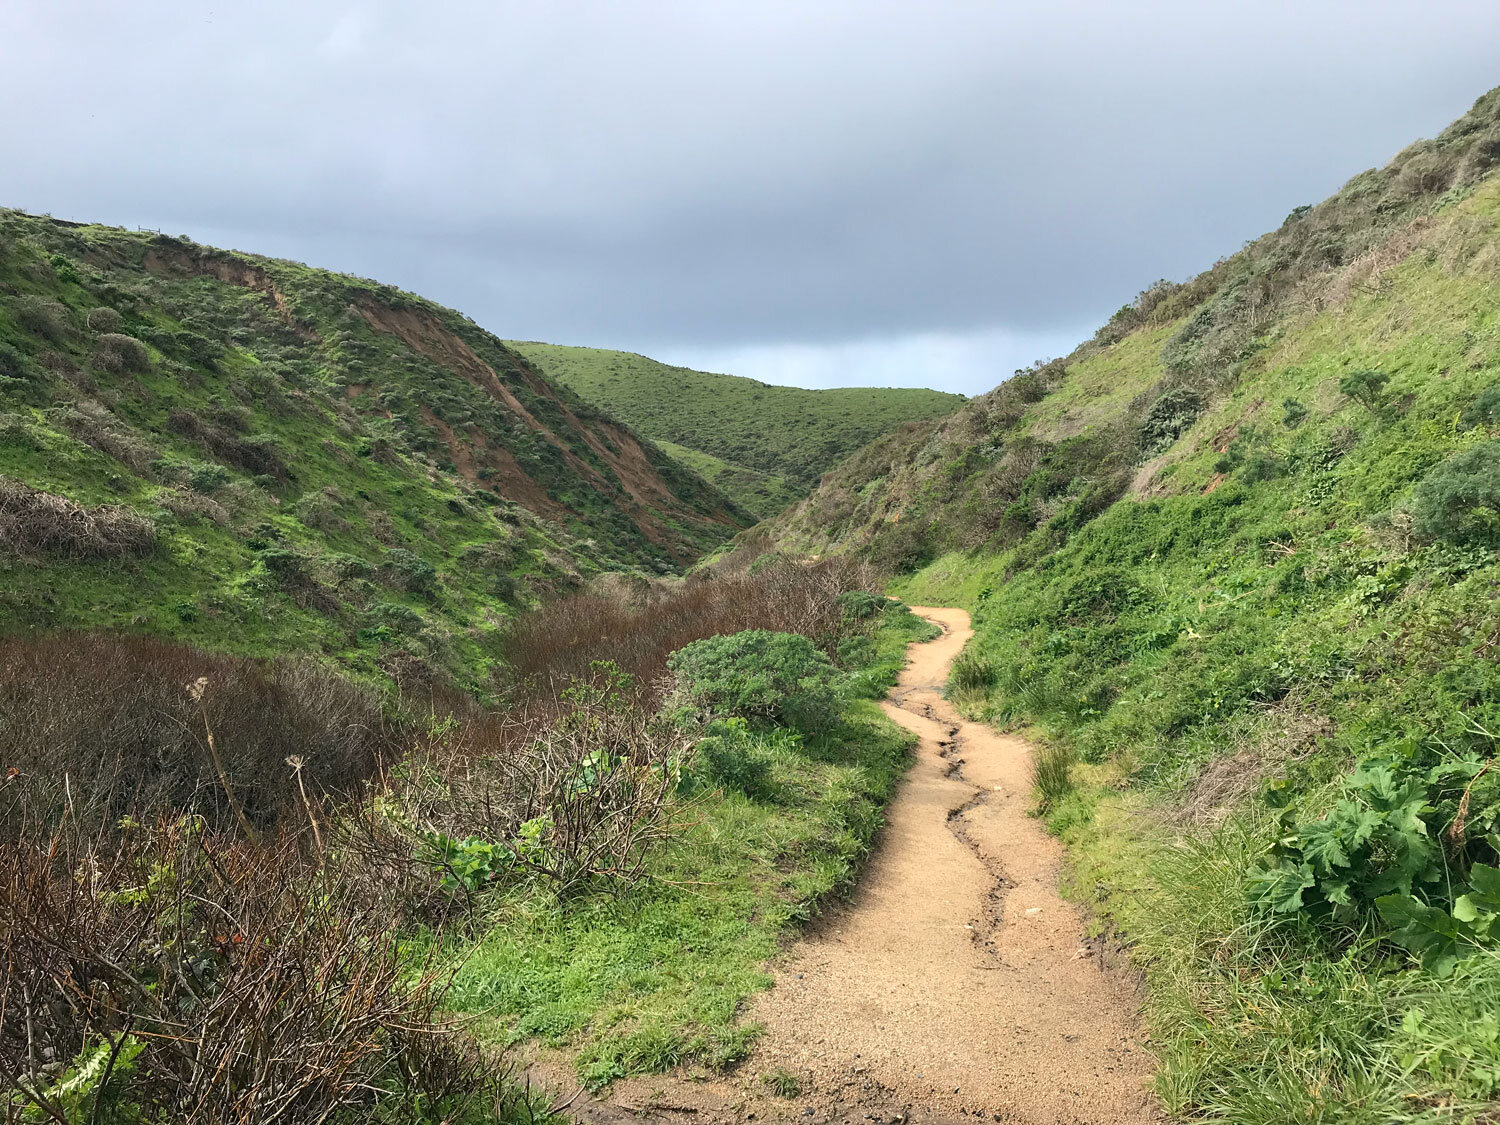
pixel 957 983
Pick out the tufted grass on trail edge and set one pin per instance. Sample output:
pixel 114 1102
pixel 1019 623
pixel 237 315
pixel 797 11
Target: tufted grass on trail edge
pixel 661 975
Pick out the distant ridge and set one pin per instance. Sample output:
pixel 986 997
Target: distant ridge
pixel 764 445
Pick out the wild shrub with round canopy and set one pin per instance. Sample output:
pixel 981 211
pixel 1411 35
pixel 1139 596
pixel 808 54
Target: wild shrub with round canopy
pixel 1460 499
pixel 758 674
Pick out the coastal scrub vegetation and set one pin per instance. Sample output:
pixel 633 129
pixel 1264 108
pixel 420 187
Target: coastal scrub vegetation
pixel 243 889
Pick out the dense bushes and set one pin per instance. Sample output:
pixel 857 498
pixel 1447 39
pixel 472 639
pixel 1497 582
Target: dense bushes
pixel 640 628
pixel 277 829
pixel 758 674
pixel 257 453
pixel 1167 418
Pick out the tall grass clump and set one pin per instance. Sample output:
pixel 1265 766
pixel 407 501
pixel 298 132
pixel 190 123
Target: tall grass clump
pixel 972 674
pixel 1257 1022
pixel 1052 774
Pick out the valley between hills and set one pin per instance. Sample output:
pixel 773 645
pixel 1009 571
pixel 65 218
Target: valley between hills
pixel 403 723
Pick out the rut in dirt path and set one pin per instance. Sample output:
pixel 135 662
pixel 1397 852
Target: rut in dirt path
pixel 958 979
pixel 956 984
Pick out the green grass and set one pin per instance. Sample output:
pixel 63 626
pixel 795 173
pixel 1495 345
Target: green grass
pixel 381 442
pixel 1258 1025
pixel 768 445
pixel 762 493
pixel 661 975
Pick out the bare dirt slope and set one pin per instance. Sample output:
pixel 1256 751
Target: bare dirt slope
pixel 957 983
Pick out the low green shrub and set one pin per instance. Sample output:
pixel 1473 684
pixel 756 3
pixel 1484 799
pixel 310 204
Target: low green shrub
pixel 727 757
pixel 1460 499
pixel 1366 388
pixel 13 365
pixel 757 674
pixel 208 478
pixel 1168 417
pixel 1483 411
pixel 395 617
pixel 861 605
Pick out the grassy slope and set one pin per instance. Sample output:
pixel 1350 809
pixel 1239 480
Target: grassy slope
pixel 290 430
pixel 642 982
pixel 773 442
pixel 1247 602
pixel 761 493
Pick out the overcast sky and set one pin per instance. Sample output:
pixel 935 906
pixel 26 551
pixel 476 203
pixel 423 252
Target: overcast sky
pixel 821 193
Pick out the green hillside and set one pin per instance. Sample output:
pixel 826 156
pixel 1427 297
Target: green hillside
pixel 1235 561
pixel 765 446
pixel 762 493
pixel 255 455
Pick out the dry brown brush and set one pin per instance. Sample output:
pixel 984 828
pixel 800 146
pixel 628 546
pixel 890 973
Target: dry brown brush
pixel 640 630
pixel 99 727
pixel 577 792
pixel 179 975
pixel 34 522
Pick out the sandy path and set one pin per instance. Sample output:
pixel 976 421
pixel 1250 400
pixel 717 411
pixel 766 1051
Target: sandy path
pixel 957 983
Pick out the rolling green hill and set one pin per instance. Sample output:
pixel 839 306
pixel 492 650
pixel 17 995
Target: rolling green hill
pixel 255 455
pixel 1234 560
pixel 766 446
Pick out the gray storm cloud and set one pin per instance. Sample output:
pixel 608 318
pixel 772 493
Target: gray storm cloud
pixel 808 190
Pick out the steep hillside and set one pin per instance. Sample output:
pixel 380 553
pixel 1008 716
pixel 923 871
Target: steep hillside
pixel 257 455
pixel 766 446
pixel 1241 542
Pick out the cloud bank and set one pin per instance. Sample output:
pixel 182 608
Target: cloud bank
pixel 843 191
